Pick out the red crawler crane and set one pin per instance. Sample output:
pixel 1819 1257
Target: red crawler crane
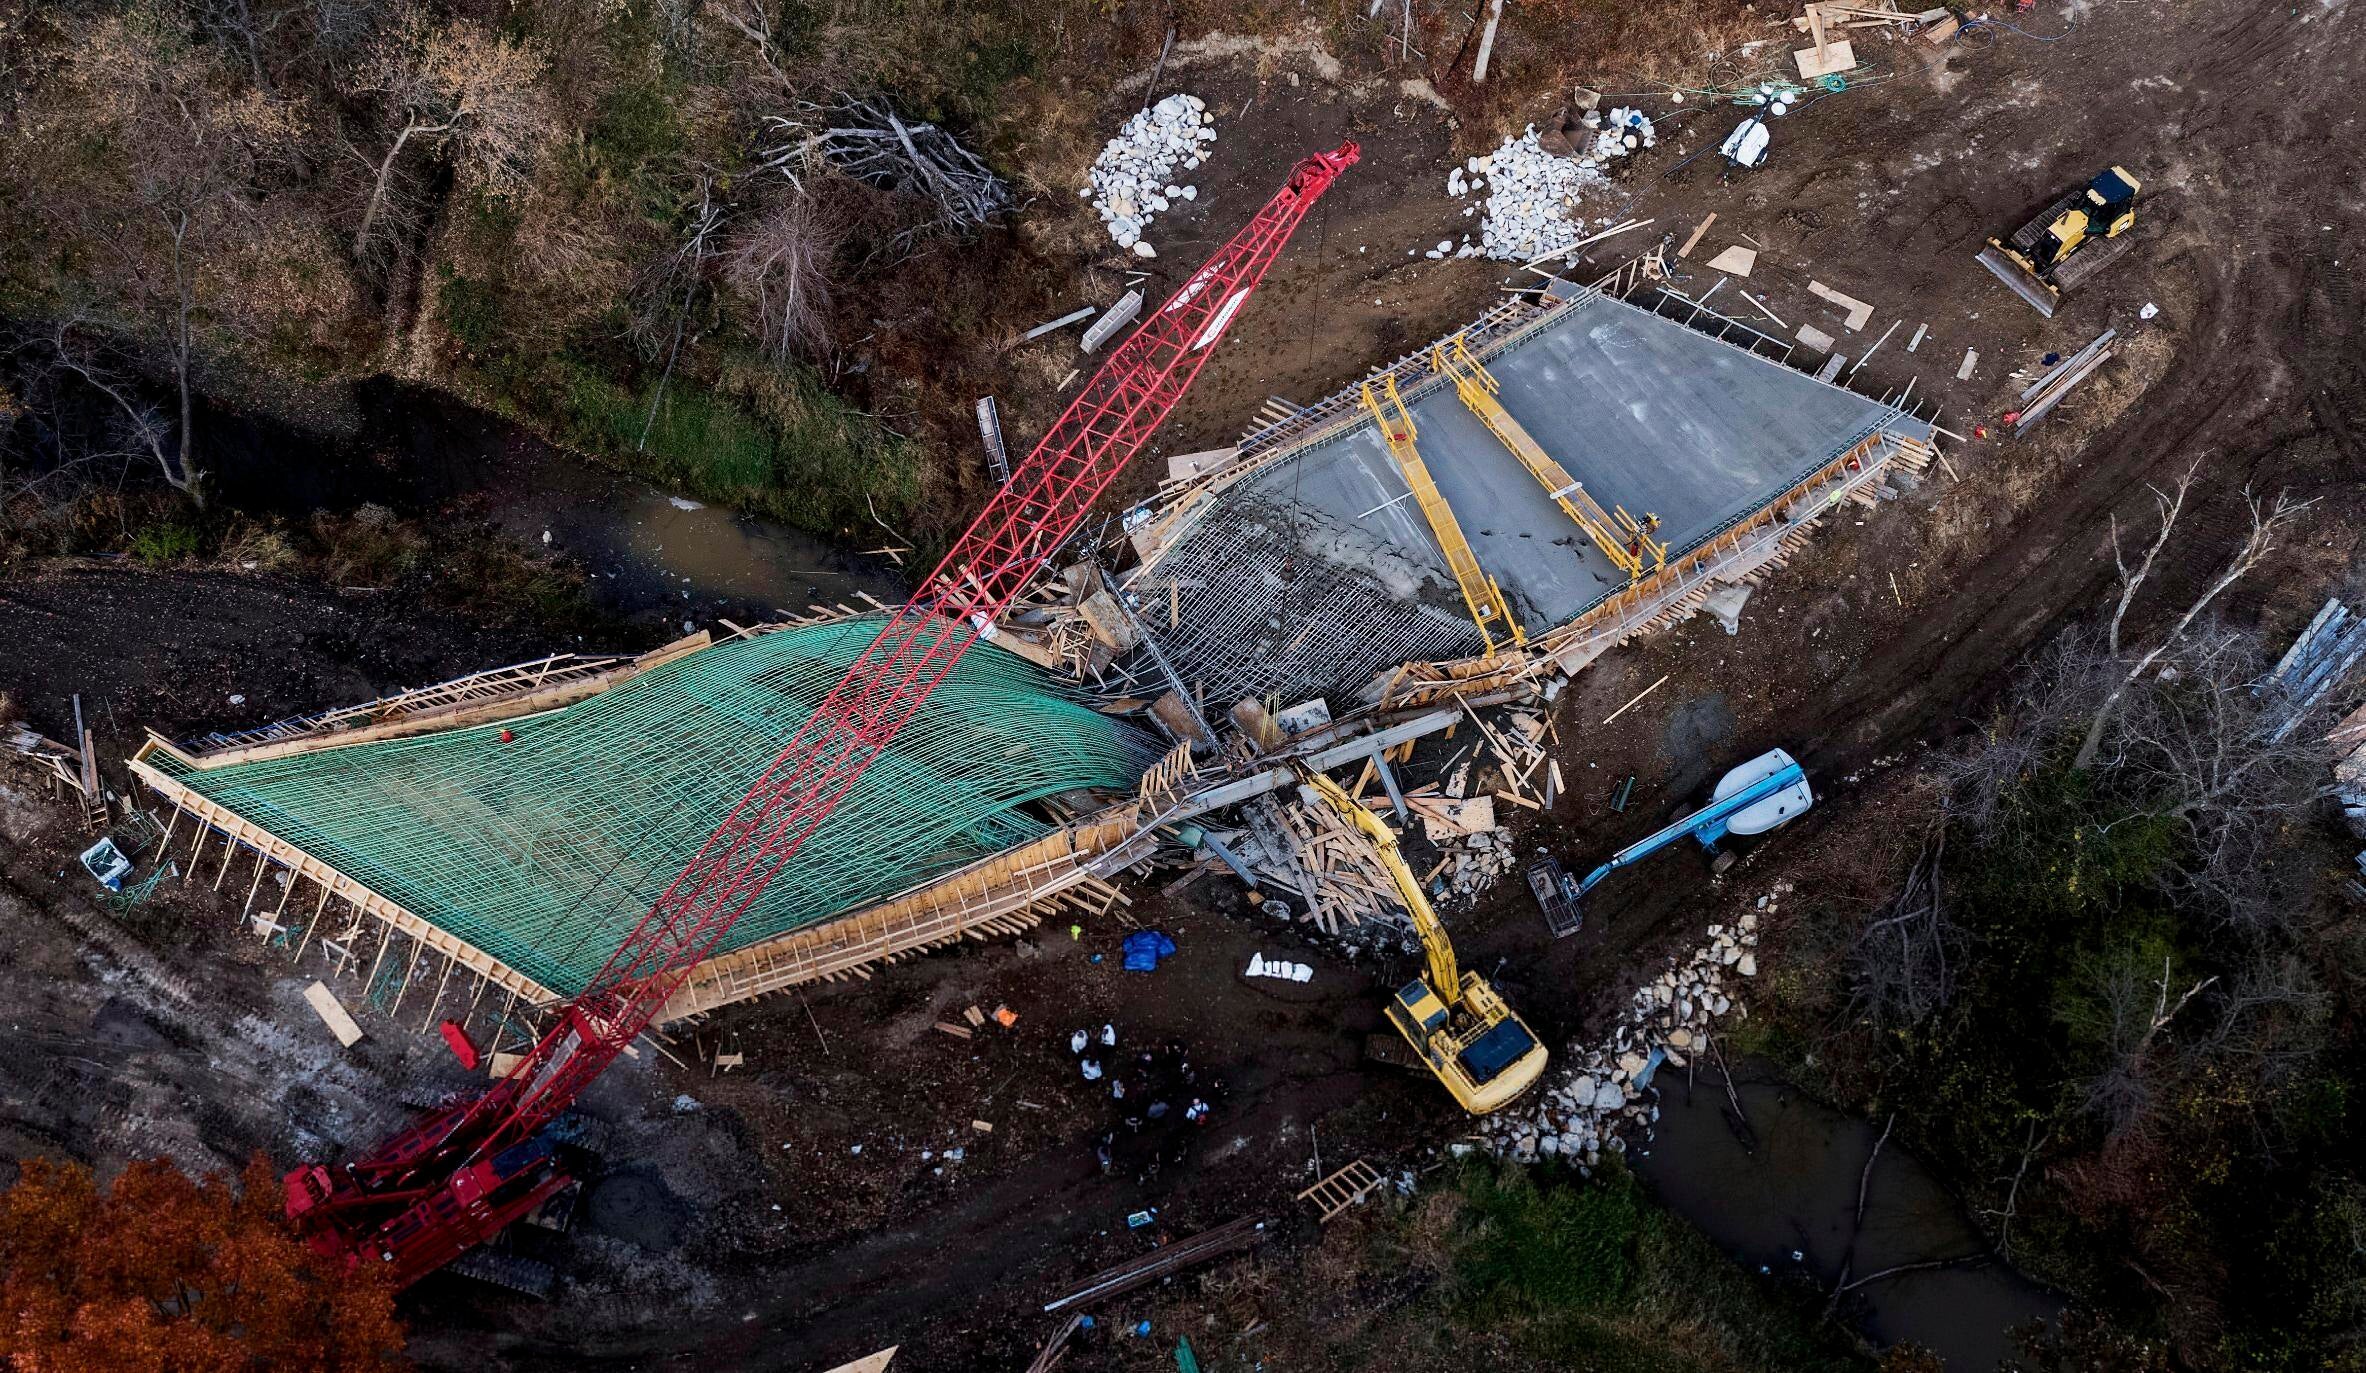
pixel 455 1179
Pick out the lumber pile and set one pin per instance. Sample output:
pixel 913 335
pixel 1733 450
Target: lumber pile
pixel 2048 390
pixel 1337 862
pixel 1823 19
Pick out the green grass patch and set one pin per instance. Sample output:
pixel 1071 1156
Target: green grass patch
pixel 769 440
pixel 1595 1275
pixel 170 542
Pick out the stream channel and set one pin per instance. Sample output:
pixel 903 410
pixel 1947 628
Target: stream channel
pixel 1781 1197
pixel 651 555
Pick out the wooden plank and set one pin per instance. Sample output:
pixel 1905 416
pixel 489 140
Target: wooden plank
pixel 1702 228
pixel 1859 313
pixel 1971 359
pixel 870 1363
pixel 1736 260
pixel 332 1014
pixel 1835 56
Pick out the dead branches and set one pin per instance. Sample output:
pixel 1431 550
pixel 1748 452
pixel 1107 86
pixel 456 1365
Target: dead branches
pixel 1902 965
pixel 779 261
pixel 864 138
pixel 2266 523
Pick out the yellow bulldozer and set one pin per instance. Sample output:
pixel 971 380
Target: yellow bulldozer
pixel 2069 241
pixel 1460 1029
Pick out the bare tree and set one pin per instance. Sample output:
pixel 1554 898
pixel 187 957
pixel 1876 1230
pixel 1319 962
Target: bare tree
pixel 2132 1010
pixel 143 431
pixel 2266 522
pixel 1903 963
pixel 673 288
pixel 194 148
pixel 462 92
pixel 2195 746
pixel 779 261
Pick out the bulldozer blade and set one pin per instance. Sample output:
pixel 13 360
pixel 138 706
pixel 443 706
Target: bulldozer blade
pixel 2029 288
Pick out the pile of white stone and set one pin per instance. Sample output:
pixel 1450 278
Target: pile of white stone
pixel 1134 179
pixel 1533 195
pixel 1478 861
pixel 1604 1088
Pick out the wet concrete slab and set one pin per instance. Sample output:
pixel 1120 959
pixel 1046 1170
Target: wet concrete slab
pixel 1648 414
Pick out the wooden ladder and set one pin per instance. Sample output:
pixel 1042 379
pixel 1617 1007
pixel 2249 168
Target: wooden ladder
pixel 1342 1189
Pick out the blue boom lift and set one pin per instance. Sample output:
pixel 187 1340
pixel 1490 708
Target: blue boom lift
pixel 1761 794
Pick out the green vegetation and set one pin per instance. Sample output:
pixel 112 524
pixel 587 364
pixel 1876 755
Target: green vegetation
pixel 1594 1275
pixel 1491 1266
pixel 2102 1003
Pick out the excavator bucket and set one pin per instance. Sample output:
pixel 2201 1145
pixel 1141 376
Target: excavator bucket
pixel 2001 265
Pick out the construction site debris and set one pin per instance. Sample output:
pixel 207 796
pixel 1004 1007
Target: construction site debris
pixel 1736 260
pixel 1693 238
pixel 1342 1189
pixel 2047 391
pixel 1261 966
pixel 1062 322
pixel 106 864
pixel 456 1039
pixel 1606 1088
pixel 1746 145
pixel 870 1363
pixel 1143 950
pixel 990 434
pixel 2322 659
pixel 957 1031
pixel 1117 317
pixel 1815 338
pixel 1133 180
pixel 1859 313
pixel 333 1014
pixel 1159 1263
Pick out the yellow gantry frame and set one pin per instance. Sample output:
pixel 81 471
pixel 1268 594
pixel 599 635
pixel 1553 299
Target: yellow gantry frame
pixel 1623 539
pixel 1479 591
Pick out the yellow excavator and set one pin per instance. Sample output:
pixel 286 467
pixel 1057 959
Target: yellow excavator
pixel 1462 1031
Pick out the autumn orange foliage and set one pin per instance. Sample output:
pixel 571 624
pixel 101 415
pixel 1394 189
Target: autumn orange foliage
pixel 163 1273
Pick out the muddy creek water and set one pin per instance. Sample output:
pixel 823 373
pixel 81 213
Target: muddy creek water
pixel 651 554
pixel 1781 1196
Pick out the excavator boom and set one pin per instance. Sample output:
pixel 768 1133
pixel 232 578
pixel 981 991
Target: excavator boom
pixel 1463 1031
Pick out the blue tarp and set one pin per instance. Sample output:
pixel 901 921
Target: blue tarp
pixel 1143 949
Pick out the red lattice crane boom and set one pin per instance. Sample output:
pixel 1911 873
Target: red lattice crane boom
pixel 455 1179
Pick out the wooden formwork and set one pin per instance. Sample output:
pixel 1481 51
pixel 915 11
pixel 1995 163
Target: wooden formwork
pixel 343 918
pixel 1004 894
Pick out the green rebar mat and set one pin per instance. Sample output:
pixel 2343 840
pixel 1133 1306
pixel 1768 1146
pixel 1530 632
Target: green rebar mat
pixel 545 850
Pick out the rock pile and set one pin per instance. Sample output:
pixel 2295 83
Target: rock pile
pixel 1533 196
pixel 1478 861
pixel 1607 1087
pixel 1133 180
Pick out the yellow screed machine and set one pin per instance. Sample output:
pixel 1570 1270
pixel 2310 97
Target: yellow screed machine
pixel 1462 1031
